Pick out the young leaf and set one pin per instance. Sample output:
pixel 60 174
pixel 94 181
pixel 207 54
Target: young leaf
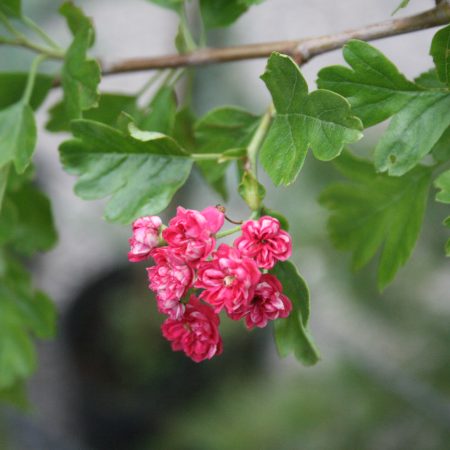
pixel 12 86
pixel 221 13
pixel 109 108
pixel 440 51
pixel 140 177
pixel 321 120
pixel 220 130
pixel 403 4
pixel 291 334
pixel 12 8
pixel 76 20
pixel 377 90
pixel 80 76
pixel 375 211
pixel 17 135
pixel 251 191
pixel 442 182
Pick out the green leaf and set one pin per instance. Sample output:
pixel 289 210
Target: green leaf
pixel 26 222
pixel 440 51
pixel 429 80
pixel 374 211
pixel 141 177
pixel 76 20
pixel 80 75
pixel 17 135
pixel 441 150
pixel 221 13
pixel 12 8
pixel 412 133
pixel 251 191
pixel 291 334
pixel 402 4
pixel 183 129
pixel 218 131
pixel 12 87
pixel 377 90
pixel 442 182
pixel 161 114
pixel 321 120
pixel 175 5
pixel 22 312
pixel 373 86
pixel 109 108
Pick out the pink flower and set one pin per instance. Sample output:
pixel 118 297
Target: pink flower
pixel 170 279
pixel 145 238
pixel 191 233
pixel 264 241
pixel 229 279
pixel 196 333
pixel 268 303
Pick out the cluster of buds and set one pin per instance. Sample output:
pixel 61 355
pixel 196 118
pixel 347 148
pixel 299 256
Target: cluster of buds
pixel 194 281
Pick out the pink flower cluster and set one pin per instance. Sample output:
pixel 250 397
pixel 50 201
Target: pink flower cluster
pixel 188 268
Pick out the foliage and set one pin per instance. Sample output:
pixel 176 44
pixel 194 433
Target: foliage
pixel 139 155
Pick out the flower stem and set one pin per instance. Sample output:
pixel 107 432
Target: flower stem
pixel 32 77
pixel 258 138
pixel 40 32
pixel 228 232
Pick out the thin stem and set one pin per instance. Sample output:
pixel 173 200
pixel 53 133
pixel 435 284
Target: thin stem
pixel 150 82
pixel 258 138
pixel 228 232
pixel 40 32
pixel 32 77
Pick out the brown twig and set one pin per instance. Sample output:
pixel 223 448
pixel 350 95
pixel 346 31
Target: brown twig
pixel 301 50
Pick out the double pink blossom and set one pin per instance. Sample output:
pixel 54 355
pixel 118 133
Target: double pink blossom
pixel 190 233
pixel 229 279
pixel 170 278
pixel 145 238
pixel 268 303
pixel 264 241
pixel 196 332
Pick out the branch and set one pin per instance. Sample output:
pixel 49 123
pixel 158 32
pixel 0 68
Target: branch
pixel 301 50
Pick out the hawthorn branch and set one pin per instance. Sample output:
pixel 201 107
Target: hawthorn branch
pixel 301 50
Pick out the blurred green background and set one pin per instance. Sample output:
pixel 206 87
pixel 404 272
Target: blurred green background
pixel 110 381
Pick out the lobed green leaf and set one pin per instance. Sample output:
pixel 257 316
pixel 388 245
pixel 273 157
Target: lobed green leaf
pixel 374 211
pixel 377 91
pixel 140 174
pixel 321 120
